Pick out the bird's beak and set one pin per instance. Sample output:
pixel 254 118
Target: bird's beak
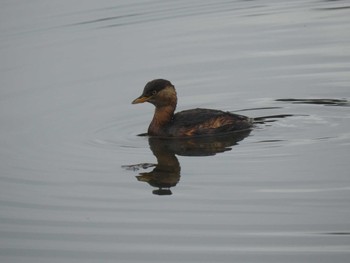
pixel 140 99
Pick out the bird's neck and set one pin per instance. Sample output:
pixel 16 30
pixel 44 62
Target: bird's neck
pixel 162 116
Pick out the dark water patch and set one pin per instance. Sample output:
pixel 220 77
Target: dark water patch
pixel 333 8
pixel 261 108
pixel 326 102
pixel 269 141
pixel 271 118
pixel 337 233
pixel 325 138
pixel 105 19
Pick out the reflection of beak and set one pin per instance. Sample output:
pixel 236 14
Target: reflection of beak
pixel 140 99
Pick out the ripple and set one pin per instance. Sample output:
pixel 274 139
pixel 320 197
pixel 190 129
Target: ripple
pixel 131 14
pixel 119 135
pixel 326 102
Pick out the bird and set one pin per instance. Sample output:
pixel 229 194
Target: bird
pixel 188 123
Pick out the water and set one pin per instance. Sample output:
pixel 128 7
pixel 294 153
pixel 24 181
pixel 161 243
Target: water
pixel 71 189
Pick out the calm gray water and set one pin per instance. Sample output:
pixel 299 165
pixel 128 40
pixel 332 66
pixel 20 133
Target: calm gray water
pixel 78 185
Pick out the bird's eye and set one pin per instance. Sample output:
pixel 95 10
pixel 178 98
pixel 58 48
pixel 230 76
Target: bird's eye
pixel 154 92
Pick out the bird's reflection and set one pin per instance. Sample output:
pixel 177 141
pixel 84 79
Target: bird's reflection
pixel 166 172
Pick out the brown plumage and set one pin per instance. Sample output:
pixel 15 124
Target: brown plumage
pixel 196 122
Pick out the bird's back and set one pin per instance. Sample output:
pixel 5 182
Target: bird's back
pixel 198 122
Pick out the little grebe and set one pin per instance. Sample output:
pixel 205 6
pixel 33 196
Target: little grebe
pixel 161 93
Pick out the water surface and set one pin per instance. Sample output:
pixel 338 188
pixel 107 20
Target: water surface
pixel 78 184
